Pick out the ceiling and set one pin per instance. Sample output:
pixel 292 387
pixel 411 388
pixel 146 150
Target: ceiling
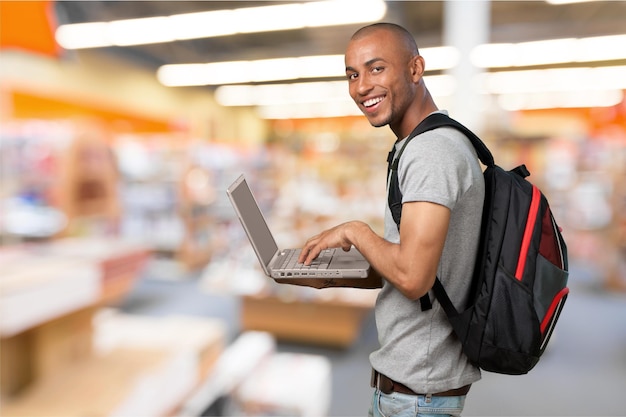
pixel 511 21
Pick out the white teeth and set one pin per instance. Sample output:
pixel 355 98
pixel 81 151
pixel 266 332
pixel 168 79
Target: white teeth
pixel 372 101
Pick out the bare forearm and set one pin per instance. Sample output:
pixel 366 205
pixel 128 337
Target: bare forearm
pixel 401 265
pixel 410 266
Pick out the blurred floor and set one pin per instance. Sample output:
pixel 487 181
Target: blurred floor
pixel 583 372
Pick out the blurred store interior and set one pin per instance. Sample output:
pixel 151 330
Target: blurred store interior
pixel 127 285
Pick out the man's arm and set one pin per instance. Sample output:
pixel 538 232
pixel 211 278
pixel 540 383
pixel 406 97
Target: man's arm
pixel 411 265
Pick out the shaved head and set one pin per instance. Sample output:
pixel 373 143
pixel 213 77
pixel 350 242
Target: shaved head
pixel 401 34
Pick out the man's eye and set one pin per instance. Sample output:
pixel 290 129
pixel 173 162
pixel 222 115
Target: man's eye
pixel 377 69
pixel 353 76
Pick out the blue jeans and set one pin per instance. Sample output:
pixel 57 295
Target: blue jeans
pixel 404 405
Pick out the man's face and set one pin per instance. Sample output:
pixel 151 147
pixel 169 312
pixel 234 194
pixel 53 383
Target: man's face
pixel 379 80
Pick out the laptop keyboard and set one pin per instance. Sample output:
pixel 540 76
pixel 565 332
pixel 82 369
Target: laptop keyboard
pixel 321 262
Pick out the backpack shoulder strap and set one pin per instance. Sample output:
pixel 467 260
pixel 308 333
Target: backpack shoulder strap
pixel 431 122
pixel 436 120
pixel 394 198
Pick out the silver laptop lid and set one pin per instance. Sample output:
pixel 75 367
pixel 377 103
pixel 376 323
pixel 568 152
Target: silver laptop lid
pixel 253 222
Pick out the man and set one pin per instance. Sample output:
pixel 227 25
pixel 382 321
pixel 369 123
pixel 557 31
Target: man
pixel 419 368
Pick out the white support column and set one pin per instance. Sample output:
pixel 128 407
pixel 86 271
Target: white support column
pixel 466 25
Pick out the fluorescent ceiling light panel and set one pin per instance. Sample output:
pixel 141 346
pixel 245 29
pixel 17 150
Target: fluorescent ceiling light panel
pixel 268 18
pixel 559 51
pixel 203 24
pixel 440 57
pixel 280 69
pixel 556 51
pixel 343 12
pixel 307 111
pixel 556 88
pixel 279 94
pixel 83 35
pixel 602 48
pixel 515 90
pixel 219 23
pixel 552 100
pixel 580 80
pixel 309 93
pixel 236 72
pixel 140 31
pixel 559 2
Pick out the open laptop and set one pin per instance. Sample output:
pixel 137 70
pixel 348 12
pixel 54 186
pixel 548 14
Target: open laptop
pixel 282 263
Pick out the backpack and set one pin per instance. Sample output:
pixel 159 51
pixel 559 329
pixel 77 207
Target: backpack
pixel 519 284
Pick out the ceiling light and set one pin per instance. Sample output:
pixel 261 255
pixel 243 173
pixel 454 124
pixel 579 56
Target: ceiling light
pixel 83 35
pixel 280 94
pixel 554 80
pixel 559 100
pixel 280 69
pixel 342 12
pixel 556 88
pixel 203 24
pixel 219 23
pixel 515 90
pixel 559 2
pixel 309 110
pixel 601 48
pixel 235 72
pixel 555 51
pixel 309 93
pixel 267 18
pixel 440 57
pixel 139 31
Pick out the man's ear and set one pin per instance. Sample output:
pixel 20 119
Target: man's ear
pixel 417 68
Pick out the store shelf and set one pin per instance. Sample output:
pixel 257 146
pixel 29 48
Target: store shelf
pixel 100 362
pixel 332 322
pixel 48 295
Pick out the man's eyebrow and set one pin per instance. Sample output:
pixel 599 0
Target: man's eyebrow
pixel 367 63
pixel 372 61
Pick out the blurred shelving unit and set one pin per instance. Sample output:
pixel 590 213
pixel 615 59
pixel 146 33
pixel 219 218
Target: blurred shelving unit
pixel 334 322
pixel 64 352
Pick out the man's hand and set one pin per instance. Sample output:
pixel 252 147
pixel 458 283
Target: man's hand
pixel 337 237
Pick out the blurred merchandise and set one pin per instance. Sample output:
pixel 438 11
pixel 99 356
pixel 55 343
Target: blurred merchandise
pixel 29 220
pixel 287 384
pixel 58 178
pixel 48 295
pixel 40 289
pixel 251 378
pixel 138 366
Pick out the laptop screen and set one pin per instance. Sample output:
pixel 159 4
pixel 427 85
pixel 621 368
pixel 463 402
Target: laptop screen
pixel 252 220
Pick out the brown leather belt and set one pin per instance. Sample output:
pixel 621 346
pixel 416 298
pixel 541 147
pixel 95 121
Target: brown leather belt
pixel 388 386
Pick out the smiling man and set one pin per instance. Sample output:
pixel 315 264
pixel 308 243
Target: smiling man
pixel 419 368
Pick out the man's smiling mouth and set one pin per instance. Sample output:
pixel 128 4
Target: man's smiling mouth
pixel 373 101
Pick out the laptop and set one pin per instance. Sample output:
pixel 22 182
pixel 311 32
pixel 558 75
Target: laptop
pixel 282 263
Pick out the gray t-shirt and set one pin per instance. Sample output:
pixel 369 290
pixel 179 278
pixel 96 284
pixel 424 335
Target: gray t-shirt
pixel 419 349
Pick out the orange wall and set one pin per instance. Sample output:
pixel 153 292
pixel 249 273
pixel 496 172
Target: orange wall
pixel 29 106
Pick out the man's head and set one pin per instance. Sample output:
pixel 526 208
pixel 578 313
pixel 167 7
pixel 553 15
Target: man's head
pixel 384 71
pixel 401 34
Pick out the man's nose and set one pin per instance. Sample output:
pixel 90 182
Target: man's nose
pixel 362 86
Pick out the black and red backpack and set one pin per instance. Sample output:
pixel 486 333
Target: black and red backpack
pixel 519 284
